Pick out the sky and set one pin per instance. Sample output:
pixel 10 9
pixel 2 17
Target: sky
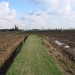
pixel 35 14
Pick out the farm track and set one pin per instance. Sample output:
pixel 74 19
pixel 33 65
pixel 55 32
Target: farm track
pixel 33 59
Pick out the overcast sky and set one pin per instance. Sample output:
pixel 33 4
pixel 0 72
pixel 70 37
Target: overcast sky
pixel 35 14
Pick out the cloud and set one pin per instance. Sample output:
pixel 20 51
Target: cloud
pixel 8 18
pixel 33 12
pixel 36 20
pixel 38 13
pixel 36 1
pixel 5 12
pixel 55 5
pixel 55 13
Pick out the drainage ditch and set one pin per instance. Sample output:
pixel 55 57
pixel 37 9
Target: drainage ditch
pixel 8 63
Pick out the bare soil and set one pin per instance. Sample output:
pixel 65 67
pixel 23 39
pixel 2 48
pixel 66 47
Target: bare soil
pixel 62 57
pixel 7 46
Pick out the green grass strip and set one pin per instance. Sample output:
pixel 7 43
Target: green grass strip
pixel 33 60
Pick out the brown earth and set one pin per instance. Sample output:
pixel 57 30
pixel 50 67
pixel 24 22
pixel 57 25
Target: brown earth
pixel 7 46
pixel 58 53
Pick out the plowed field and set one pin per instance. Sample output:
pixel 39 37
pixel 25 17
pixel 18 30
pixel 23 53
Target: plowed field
pixel 61 47
pixel 7 46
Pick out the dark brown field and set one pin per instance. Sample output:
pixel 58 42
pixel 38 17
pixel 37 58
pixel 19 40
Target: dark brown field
pixel 62 51
pixel 59 44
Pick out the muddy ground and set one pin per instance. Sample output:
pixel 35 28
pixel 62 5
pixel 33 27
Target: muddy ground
pixel 7 46
pixel 60 53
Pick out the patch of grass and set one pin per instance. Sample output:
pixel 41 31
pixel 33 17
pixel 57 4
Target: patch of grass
pixel 33 60
pixel 73 66
pixel 41 35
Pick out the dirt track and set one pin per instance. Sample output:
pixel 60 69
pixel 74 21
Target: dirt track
pixel 7 46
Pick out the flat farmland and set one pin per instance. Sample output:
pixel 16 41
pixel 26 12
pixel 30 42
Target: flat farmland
pixel 65 41
pixel 61 47
pixel 7 46
pixel 33 59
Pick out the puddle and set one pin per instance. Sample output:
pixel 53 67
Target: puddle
pixel 62 44
pixel 67 47
pixel 59 43
pixel 47 37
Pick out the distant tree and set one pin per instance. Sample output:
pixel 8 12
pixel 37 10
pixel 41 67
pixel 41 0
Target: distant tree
pixel 56 29
pixel 16 27
pixel 71 27
pixel 11 29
